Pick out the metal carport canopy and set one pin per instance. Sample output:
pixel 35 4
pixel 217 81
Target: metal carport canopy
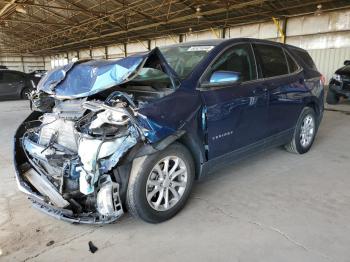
pixel 48 27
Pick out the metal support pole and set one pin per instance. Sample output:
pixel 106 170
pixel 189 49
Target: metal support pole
pixel 181 38
pixel 223 34
pixel 106 52
pixel 125 51
pixel 281 28
pixel 23 68
pixel 284 28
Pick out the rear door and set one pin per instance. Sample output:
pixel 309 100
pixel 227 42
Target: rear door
pixel 236 112
pixel 283 79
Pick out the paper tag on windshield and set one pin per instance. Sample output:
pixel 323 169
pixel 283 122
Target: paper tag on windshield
pixel 206 48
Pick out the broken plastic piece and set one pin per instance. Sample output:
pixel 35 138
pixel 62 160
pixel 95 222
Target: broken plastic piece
pixel 92 247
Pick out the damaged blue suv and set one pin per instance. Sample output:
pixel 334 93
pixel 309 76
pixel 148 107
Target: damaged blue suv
pixel 134 134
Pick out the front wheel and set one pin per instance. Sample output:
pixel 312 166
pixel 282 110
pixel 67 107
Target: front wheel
pixel 304 133
pixel 160 185
pixel 25 93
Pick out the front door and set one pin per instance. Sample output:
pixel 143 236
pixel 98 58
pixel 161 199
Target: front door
pixel 235 111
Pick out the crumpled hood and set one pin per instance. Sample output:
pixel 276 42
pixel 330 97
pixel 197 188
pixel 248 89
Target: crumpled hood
pixel 81 79
pixel 86 78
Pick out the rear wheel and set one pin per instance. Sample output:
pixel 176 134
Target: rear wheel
pixel 332 97
pixel 305 132
pixel 162 184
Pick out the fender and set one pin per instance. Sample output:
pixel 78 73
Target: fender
pixel 142 149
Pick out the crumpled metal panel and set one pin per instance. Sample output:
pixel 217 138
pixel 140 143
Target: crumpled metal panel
pixel 64 129
pixel 83 79
pixel 110 162
pixel 92 150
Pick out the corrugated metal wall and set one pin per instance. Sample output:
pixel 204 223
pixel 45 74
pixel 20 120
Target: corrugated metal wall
pixel 326 37
pixel 329 60
pixel 25 63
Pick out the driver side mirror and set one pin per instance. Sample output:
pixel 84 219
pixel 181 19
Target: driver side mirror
pixel 222 78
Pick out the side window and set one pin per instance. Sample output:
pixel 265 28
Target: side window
pixel 238 58
pixel 293 67
pixel 271 60
pixel 9 77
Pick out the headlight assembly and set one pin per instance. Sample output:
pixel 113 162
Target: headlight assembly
pixel 337 77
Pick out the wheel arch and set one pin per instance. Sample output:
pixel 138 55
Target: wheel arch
pixel 317 106
pixel 193 145
pixel 191 142
pixel 313 105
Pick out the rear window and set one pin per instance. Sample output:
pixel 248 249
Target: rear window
pixel 305 57
pixel 271 60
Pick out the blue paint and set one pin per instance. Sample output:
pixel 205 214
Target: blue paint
pixel 229 117
pixel 237 115
pixel 84 79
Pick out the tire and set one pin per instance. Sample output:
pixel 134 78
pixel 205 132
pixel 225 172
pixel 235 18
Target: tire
pixel 302 141
pixel 142 181
pixel 332 97
pixel 24 93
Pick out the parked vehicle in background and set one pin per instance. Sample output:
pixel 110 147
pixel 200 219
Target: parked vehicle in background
pixel 134 134
pixel 38 73
pixel 3 67
pixel 16 84
pixel 339 85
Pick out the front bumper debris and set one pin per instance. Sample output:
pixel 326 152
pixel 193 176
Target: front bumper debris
pixel 67 215
pixel 41 202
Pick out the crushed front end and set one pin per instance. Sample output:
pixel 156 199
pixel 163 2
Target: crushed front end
pixel 67 151
pixel 65 157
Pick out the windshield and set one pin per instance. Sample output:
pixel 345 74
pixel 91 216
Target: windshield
pixel 183 59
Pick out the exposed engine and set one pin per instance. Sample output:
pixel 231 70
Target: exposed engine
pixel 74 153
pixel 73 150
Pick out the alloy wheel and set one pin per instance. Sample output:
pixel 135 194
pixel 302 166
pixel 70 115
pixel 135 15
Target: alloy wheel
pixel 307 130
pixel 166 183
